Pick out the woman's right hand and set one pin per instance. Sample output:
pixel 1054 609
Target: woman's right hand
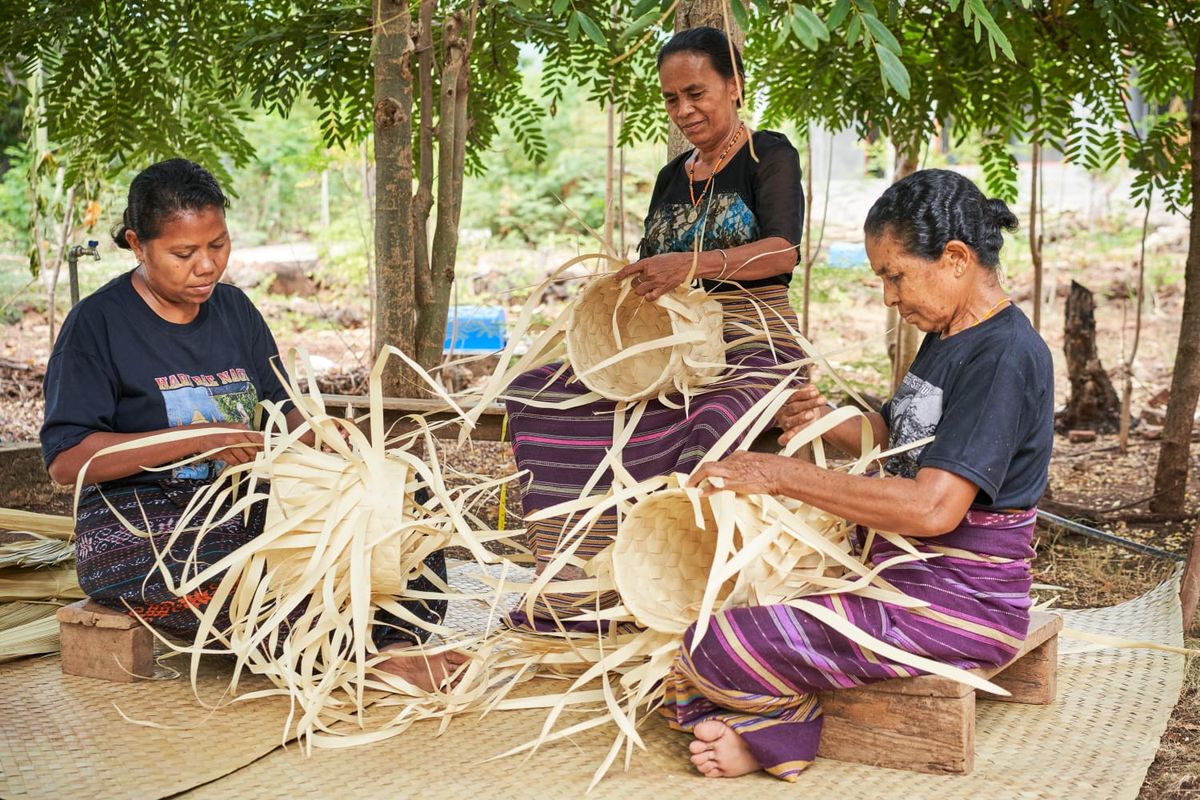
pixel 804 407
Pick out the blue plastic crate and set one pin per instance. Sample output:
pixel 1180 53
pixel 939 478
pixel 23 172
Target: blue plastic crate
pixel 847 255
pixel 473 330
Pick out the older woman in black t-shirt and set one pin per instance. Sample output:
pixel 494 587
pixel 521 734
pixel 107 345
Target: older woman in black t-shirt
pixel 162 347
pixel 732 208
pixel 982 385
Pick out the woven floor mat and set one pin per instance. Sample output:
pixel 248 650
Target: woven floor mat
pixel 62 736
pixel 1096 741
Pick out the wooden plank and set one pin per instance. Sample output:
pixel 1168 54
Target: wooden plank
pixel 923 734
pixel 1042 626
pixel 98 642
pixel 1031 679
pixel 93 615
pixel 395 409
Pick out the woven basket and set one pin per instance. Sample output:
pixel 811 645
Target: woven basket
pixel 608 318
pixel 376 507
pixel 662 559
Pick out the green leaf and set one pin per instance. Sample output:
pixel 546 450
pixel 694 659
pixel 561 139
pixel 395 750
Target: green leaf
pixel 573 26
pixel 982 15
pixel 881 33
pixel 840 9
pixel 643 7
pixel 803 32
pixel 559 7
pixel 639 25
pixel 853 30
pixel 813 22
pixel 894 73
pixel 591 29
pixel 740 13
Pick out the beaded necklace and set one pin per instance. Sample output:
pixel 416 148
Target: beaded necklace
pixel 692 168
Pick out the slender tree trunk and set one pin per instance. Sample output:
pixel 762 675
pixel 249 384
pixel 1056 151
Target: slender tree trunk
pixel 809 256
pixel 1127 383
pixel 394 305
pixel 609 178
pixel 906 338
pixel 452 130
pixel 1170 477
pixel 64 238
pixel 422 203
pixel 694 14
pixel 621 196
pixel 1035 237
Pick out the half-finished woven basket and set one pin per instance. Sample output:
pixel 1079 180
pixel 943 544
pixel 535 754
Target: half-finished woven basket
pixel 610 330
pixel 664 558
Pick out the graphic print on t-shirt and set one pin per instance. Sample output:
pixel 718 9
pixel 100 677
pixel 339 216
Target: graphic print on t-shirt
pixel 673 227
pixel 916 411
pixel 227 396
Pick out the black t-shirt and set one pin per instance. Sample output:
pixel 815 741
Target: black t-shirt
pixel 119 367
pixel 746 202
pixel 987 396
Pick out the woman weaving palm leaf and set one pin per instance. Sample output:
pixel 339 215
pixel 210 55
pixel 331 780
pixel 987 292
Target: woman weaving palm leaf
pixel 729 212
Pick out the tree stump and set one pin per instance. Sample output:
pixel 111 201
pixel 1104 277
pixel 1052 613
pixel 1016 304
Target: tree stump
pixel 1093 402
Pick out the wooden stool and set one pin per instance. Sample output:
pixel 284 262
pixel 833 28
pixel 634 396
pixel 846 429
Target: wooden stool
pixel 98 642
pixel 927 724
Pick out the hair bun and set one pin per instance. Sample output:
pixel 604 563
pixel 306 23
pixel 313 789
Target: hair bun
pixel 118 235
pixel 1001 215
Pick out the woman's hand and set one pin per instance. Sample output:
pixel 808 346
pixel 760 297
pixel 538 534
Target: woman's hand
pixel 747 473
pixel 655 276
pixel 237 447
pixel 803 408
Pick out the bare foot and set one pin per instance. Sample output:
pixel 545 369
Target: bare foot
pixel 426 671
pixel 719 752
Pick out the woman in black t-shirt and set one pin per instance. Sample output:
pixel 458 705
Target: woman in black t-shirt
pixel 162 347
pixel 982 385
pixel 728 212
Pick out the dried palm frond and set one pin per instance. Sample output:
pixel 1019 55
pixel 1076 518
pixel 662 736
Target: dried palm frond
pixel 27 629
pixel 39 584
pixel 53 526
pixel 35 550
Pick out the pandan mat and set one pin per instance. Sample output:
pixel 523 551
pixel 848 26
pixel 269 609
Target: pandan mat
pixel 62 736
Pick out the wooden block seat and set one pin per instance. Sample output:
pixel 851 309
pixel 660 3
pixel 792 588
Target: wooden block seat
pixel 927 724
pixel 98 642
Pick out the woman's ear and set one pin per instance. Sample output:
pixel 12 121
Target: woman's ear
pixel 958 255
pixel 135 245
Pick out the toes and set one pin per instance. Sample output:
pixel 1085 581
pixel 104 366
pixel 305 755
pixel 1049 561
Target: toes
pixel 710 730
pixel 697 746
pixel 711 770
pixel 702 760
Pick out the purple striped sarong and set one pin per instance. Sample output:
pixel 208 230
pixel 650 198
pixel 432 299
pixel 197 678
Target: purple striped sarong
pixel 561 449
pixel 757 669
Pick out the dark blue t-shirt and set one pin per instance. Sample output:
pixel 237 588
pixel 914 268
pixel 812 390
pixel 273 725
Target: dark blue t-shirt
pixel 119 367
pixel 987 396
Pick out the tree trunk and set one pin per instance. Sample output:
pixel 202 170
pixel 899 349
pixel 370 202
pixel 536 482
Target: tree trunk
pixel 1035 238
pixel 452 129
pixel 906 338
pixel 1170 477
pixel 394 322
pixel 1127 376
pixel 695 14
pixel 422 203
pixel 1189 590
pixel 809 255
pixel 1093 403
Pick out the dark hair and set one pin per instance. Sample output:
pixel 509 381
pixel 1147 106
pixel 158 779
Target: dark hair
pixel 929 208
pixel 162 191
pixel 711 43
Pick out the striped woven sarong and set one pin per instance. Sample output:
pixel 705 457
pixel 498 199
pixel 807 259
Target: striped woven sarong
pixel 757 669
pixel 117 568
pixel 562 449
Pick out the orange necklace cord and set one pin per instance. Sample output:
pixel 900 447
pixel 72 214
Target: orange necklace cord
pixel 716 168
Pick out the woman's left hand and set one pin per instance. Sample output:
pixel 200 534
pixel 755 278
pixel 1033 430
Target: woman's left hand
pixel 655 276
pixel 747 473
